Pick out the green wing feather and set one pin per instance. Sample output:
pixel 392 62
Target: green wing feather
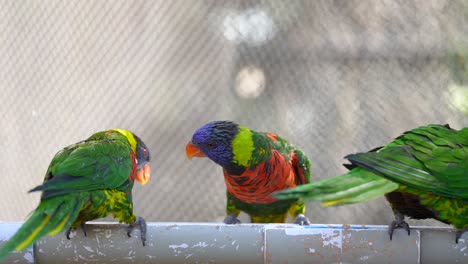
pixel 90 165
pixel 357 186
pixel 431 158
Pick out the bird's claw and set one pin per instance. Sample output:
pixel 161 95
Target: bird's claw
pixel 231 219
pixel 142 223
pixel 398 223
pixel 459 234
pixel 302 220
pixel 83 227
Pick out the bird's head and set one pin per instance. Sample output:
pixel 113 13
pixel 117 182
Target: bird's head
pixel 214 140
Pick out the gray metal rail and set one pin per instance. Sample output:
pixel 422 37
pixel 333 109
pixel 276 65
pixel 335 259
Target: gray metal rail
pixel 245 243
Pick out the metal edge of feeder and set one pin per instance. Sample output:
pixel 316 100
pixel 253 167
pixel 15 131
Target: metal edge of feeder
pixel 249 243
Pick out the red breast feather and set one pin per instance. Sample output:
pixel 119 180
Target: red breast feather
pixel 256 184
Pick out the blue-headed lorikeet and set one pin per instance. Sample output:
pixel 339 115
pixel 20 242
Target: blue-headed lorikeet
pixel 85 181
pixel 423 174
pixel 255 165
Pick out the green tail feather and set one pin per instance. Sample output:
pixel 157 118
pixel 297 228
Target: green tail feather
pixel 52 216
pixel 356 186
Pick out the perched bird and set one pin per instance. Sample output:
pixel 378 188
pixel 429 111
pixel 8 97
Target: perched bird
pixel 255 165
pixel 423 174
pixel 85 181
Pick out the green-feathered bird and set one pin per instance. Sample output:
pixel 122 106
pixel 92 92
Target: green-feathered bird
pixel 255 165
pixel 86 181
pixel 422 173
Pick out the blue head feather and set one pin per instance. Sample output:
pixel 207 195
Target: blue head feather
pixel 215 141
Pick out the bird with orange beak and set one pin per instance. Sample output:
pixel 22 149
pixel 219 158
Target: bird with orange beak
pixel 255 165
pixel 85 181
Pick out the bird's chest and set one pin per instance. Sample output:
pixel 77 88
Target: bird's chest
pixel 256 184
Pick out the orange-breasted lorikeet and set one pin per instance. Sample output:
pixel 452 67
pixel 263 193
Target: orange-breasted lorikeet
pixel 85 181
pixel 255 165
pixel 422 173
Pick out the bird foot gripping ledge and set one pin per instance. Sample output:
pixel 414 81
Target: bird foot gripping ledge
pixel 249 243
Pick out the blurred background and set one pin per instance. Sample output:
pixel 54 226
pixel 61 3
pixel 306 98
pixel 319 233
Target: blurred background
pixel 332 77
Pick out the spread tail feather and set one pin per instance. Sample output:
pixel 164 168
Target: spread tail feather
pixel 358 185
pixel 52 216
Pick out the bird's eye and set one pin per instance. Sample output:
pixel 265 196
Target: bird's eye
pixel 210 145
pixel 145 152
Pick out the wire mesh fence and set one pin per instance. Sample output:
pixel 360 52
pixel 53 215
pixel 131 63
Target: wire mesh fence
pixel 332 77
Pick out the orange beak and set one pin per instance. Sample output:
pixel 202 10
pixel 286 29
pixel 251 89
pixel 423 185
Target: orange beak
pixel 193 151
pixel 143 175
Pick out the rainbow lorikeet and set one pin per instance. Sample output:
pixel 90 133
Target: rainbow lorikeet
pixel 422 173
pixel 85 181
pixel 255 165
